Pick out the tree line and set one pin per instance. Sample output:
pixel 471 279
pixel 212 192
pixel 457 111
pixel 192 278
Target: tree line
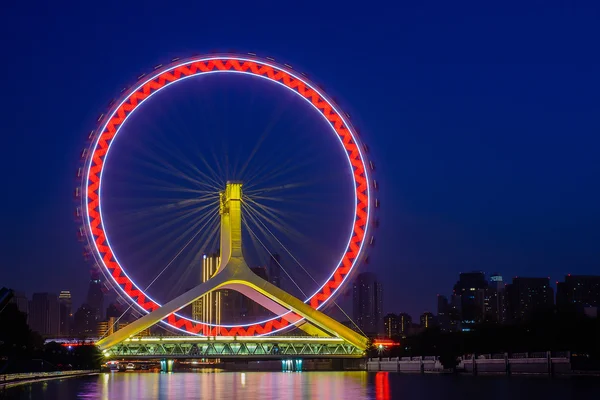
pixel 23 350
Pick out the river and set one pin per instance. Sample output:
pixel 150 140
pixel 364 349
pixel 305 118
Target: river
pixel 306 385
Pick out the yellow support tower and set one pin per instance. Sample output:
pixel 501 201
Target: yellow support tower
pixel 233 273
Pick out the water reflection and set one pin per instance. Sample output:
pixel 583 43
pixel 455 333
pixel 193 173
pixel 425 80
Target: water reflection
pixel 323 385
pixel 382 386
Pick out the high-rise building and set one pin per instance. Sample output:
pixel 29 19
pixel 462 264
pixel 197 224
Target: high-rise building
pixel 255 310
pixel 208 307
pixel 44 314
pixel 525 296
pixel 578 292
pixel 404 324
pixel 427 320
pixel 495 302
pixel 391 325
pixel 471 287
pixel 234 307
pixel 443 313
pixel 95 295
pixel 21 301
pixel 455 313
pixel 368 303
pixel 84 321
pixel 64 304
pixel 275 269
pixel 113 310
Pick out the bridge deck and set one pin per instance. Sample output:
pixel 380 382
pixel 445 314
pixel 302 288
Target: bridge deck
pixel 252 347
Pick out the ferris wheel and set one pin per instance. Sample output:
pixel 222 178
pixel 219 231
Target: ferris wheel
pixel 356 231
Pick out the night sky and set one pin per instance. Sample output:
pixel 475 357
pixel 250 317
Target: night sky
pixel 482 120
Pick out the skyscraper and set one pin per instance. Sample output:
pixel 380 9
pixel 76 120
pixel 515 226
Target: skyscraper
pixel 64 304
pixel 495 302
pixel 275 270
pixel 525 296
pixel 95 296
pixel 208 307
pixel 367 303
pixel 391 325
pixel 578 292
pixel 255 310
pixel 404 323
pixel 113 311
pixel 84 321
pixel 471 287
pixel 44 314
pixel 427 320
pixel 443 313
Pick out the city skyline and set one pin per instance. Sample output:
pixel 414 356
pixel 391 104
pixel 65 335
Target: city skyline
pixel 485 160
pixel 555 286
pixel 500 302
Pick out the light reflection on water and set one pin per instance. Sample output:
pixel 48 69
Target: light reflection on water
pixel 304 385
pixel 227 385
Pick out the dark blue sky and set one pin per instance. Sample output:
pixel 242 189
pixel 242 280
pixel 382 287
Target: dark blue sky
pixel 483 121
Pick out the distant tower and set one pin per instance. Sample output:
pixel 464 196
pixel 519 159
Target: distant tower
pixel 367 303
pixel 113 311
pixel 471 290
pixel 404 324
pixel 208 307
pixel 427 320
pixel 84 321
pixel 64 303
pixel 255 310
pixel 95 296
pixel 275 270
pixel 391 325
pixel 443 313
pixel 44 314
pixel 495 301
pixel 526 296
pixel 578 293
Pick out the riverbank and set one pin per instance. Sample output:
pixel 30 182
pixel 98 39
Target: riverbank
pixel 553 364
pixel 11 380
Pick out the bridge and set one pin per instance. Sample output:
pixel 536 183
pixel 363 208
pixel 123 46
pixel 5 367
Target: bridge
pixel 325 337
pixel 227 347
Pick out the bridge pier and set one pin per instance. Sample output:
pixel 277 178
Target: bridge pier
pixel 166 365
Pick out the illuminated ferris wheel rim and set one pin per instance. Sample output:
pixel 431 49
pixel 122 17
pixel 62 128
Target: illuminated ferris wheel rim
pixel 180 70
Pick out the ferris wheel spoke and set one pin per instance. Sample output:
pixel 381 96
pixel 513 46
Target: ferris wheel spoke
pixel 151 182
pixel 192 262
pixel 273 219
pixel 264 135
pixel 212 177
pixel 161 164
pixel 165 147
pixel 273 173
pixel 198 231
pixel 150 216
pixel 251 220
pixel 271 213
pixel 274 258
pixel 287 229
pixel 308 274
pixel 170 236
